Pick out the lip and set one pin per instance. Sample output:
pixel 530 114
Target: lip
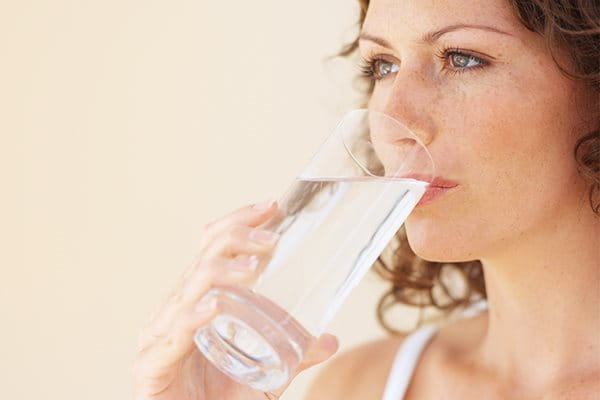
pixel 432 193
pixel 438 181
pixel 437 187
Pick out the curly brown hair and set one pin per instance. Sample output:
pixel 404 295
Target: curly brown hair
pixel 566 25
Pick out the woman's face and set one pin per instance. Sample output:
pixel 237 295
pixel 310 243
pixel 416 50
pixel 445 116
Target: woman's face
pixel 494 110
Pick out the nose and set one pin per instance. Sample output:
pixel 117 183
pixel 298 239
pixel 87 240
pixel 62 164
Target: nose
pixel 409 99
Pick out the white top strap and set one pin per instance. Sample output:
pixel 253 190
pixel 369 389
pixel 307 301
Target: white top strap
pixel 409 352
pixel 406 361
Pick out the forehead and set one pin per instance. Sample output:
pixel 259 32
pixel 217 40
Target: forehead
pixel 414 17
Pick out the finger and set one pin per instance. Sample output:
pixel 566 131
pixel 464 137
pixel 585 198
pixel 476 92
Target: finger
pixel 239 239
pixel 221 271
pixel 325 347
pixel 249 215
pixel 157 360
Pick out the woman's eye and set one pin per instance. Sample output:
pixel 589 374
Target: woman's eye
pixel 382 68
pixel 460 60
pixel 377 68
pixel 453 61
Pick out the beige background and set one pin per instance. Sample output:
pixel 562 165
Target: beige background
pixel 126 126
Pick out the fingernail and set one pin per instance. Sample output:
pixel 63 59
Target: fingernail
pixel 263 236
pixel 263 206
pixel 206 305
pixel 245 263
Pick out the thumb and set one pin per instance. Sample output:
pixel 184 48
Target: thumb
pixel 325 347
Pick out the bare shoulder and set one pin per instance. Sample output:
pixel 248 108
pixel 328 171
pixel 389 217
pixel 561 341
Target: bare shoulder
pixel 358 373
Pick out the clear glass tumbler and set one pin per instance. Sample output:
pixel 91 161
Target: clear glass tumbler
pixel 334 221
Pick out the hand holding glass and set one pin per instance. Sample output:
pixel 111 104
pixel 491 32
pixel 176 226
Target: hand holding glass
pixel 333 221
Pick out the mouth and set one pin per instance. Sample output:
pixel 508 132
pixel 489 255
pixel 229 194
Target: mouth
pixel 437 187
pixel 432 193
pixel 438 181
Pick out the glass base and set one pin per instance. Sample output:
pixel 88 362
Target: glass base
pixel 252 340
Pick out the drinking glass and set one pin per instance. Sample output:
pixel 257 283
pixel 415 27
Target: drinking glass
pixel 334 221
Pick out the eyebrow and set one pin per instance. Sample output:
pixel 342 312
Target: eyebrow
pixel 433 36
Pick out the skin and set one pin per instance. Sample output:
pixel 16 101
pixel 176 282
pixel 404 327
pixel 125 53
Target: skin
pixel 506 133
pixel 168 366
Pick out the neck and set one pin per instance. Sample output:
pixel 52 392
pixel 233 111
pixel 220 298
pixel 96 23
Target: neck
pixel 544 303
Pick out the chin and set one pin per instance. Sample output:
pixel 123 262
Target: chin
pixel 432 242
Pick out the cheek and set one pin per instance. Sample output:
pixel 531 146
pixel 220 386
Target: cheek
pixel 513 157
pixel 522 151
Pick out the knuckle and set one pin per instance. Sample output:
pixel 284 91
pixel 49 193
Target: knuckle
pixel 207 265
pixel 234 234
pixel 199 284
pixel 216 270
pixel 229 232
pixel 202 271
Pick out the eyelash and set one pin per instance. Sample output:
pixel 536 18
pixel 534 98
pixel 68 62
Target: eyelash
pixel 367 66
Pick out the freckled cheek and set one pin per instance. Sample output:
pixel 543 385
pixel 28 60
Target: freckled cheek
pixel 493 146
pixel 480 132
pixel 515 175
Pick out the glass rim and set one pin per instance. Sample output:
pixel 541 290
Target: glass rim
pixel 424 177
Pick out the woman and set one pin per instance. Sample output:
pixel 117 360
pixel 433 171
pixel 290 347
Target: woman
pixel 505 94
